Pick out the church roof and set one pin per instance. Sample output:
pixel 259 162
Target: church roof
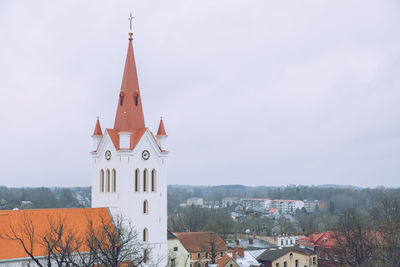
pixel 97 129
pixel 39 220
pixel 136 135
pixel 161 129
pixel 129 115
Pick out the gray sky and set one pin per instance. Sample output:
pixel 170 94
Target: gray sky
pixel 253 92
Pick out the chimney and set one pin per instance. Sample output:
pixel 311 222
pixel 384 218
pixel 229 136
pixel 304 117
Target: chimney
pixel 240 251
pixel 234 255
pixel 124 140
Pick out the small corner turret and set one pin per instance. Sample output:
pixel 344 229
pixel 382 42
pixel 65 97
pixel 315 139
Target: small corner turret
pixel 97 135
pixel 162 135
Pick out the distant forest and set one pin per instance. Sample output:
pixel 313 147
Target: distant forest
pixel 338 198
pixel 43 197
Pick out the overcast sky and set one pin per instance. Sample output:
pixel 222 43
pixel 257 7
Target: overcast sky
pixel 252 92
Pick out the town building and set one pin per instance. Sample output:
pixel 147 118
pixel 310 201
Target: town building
pixel 286 240
pixel 196 201
pixel 257 204
pixel 244 258
pixel 287 206
pixel 203 247
pixel 289 257
pixel 177 254
pixel 230 201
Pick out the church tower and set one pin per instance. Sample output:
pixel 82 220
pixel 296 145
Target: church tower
pixel 128 172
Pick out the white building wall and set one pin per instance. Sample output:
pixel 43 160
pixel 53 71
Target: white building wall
pixel 125 200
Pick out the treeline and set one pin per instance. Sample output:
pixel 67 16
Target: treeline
pixel 43 197
pixel 338 199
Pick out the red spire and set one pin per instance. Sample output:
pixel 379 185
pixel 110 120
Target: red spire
pixel 161 129
pixel 97 129
pixel 129 111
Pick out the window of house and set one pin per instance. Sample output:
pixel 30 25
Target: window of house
pixel 296 263
pixel 319 254
pixel 284 264
pixel 153 180
pixel 281 242
pixel 145 207
pixel 326 256
pixel 114 181
pixel 172 262
pixel 198 264
pixel 206 265
pixel 145 235
pixel 335 257
pixel 145 180
pixel 314 260
pixel 277 265
pixel 101 180
pixel 221 254
pixel 206 255
pixel 108 180
pixel 137 180
pixel 199 255
pixel 175 248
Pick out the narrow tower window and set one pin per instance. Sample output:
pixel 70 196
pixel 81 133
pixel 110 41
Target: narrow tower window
pixel 145 180
pixel 137 180
pixel 101 180
pixel 145 235
pixel 108 180
pixel 114 181
pixel 146 207
pixel 153 180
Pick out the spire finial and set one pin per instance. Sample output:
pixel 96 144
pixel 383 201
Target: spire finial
pixel 130 25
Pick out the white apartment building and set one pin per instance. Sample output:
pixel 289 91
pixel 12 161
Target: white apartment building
pixel 256 203
pixel 287 206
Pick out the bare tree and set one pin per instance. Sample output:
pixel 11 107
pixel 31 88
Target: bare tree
pixel 386 217
pixel 354 241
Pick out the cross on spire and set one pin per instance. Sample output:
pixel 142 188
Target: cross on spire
pixel 130 21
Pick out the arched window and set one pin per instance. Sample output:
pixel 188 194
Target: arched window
pixel 114 181
pixel 146 256
pixel 145 207
pixel 153 180
pixel 137 180
pixel 145 180
pixel 108 180
pixel 101 180
pixel 145 235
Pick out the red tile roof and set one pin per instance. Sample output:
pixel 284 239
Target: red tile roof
pixel 201 241
pixel 129 115
pixel 324 239
pixel 161 129
pixel 136 135
pixel 74 219
pixel 97 129
pixel 223 261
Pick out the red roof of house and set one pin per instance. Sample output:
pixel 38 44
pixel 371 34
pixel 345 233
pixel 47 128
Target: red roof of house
pixel 73 219
pixel 223 261
pixel 324 239
pixel 129 115
pixel 161 129
pixel 201 241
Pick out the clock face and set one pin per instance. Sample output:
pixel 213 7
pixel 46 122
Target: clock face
pixel 145 154
pixel 108 155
